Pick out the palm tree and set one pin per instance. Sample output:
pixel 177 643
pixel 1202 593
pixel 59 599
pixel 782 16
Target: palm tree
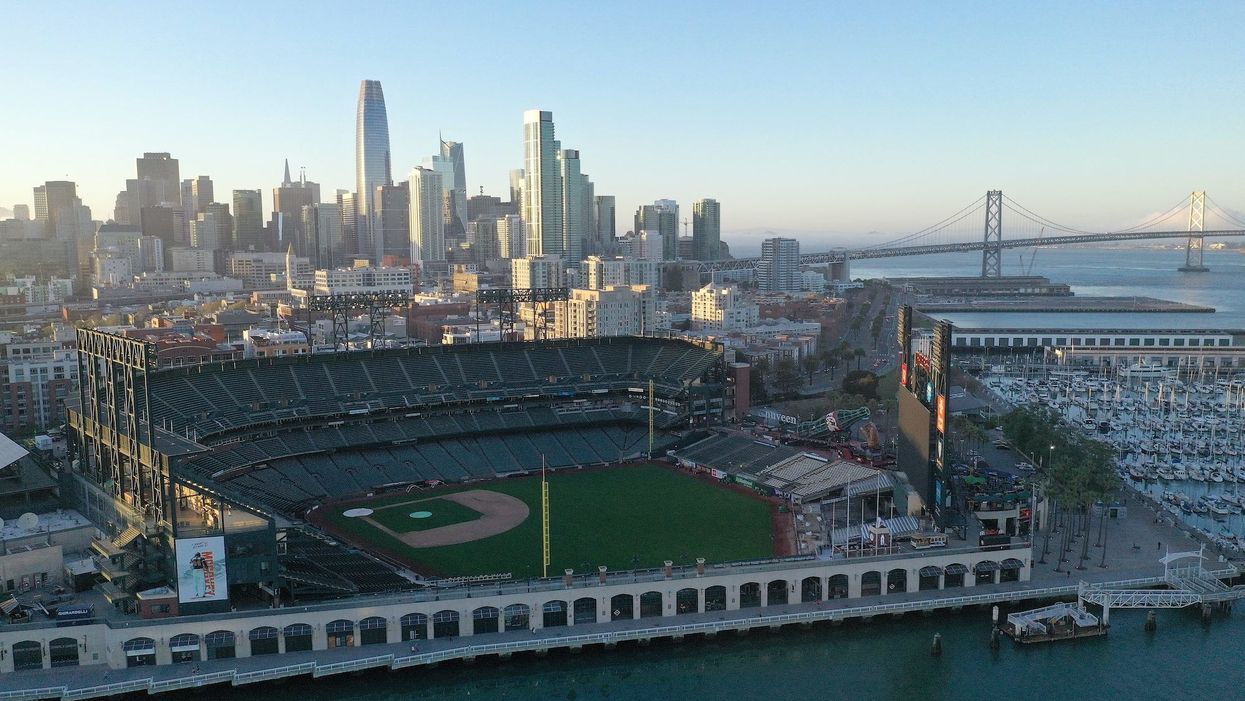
pixel 859 353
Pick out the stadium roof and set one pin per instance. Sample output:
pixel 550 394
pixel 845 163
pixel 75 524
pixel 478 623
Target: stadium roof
pixel 10 452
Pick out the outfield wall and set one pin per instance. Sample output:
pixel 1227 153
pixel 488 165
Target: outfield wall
pixel 107 643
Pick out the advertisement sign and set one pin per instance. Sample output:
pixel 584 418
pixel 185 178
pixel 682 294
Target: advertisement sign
pixel 201 570
pixel 942 414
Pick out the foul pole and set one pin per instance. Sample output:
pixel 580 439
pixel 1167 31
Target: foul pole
pixel 544 519
pixel 651 407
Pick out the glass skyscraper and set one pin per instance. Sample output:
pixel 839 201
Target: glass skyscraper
pixel 456 223
pixel 372 167
pixel 542 188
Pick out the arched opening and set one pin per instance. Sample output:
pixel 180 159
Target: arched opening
pixel 139 652
pixel 810 589
pixel 985 571
pixel 554 613
pixel 445 624
pixel 776 592
pixel 930 578
pixel 749 595
pixel 297 637
pixel 837 586
pixel 220 644
pixel 265 640
pixel 622 607
pixel 63 652
pixel 1010 571
pixel 373 631
pixel 485 619
pixel 585 610
pixel 896 581
pixel 28 654
pixel 650 604
pixel 871 583
pixel 715 598
pixel 185 647
pixel 518 617
pixel 414 626
pixel 953 575
pixel 687 601
pixel 340 633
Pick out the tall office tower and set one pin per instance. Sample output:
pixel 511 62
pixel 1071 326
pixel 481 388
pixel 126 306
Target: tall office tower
pixel 456 224
pixel 121 208
pixel 482 235
pixel 371 158
pixel 161 171
pixel 248 221
pixel 779 268
pixel 427 220
pixel 516 191
pixel 201 193
pixel 485 207
pixel 661 217
pixel 52 199
pixel 350 221
pixel 542 186
pixel 323 224
pixel 288 200
pixel 511 240
pixel 576 205
pixel 706 229
pixel 160 221
pixel 445 168
pixel 392 208
pixel 21 212
pixel 605 216
pixel 188 196
pixel 210 229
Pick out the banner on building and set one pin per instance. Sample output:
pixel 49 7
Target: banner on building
pixel 201 570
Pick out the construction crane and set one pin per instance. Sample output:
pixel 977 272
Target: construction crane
pixel 1032 257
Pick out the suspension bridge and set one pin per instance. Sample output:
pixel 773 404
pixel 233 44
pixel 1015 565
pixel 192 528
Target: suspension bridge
pixel 963 232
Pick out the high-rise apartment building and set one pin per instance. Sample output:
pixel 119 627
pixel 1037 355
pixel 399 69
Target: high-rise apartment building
pixel 542 185
pixel 159 171
pixel 722 308
pixel 372 167
pixel 706 229
pixel 661 217
pixel 779 268
pixel 482 235
pixel 538 271
pixel 517 177
pixel 576 205
pixel 511 239
pixel 248 220
pixel 427 223
pixel 597 273
pixel 606 217
pixel 612 311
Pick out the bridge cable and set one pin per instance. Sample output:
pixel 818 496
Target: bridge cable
pixel 1182 204
pixel 1039 219
pixel 1224 212
pixel 933 228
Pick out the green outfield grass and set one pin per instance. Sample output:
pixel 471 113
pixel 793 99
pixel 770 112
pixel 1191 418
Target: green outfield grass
pixel 625 518
pixel 397 518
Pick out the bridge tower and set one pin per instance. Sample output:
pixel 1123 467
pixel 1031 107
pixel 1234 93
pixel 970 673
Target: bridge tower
pixel 992 254
pixel 1193 248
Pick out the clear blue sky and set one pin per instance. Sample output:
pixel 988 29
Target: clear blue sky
pixel 841 118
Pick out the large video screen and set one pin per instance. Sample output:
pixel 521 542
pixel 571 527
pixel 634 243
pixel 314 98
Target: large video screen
pixel 201 570
pixel 914 441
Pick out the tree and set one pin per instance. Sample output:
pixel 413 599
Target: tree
pixel 861 382
pixel 811 364
pixel 831 360
pixel 756 381
pixel 787 377
pixel 859 354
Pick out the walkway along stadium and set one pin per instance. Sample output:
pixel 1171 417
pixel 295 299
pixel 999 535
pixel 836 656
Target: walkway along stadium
pixel 207 483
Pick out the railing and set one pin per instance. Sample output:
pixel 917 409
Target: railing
pixel 352 665
pixel 264 675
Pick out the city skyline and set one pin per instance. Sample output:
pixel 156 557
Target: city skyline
pixel 961 120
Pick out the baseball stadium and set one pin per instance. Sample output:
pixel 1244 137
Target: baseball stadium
pixel 335 474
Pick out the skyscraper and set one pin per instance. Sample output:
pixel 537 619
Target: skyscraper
pixel 427 222
pixel 456 224
pixel 706 229
pixel 661 217
pixel 372 168
pixel 288 200
pixel 323 224
pixel 605 216
pixel 510 239
pixel 516 191
pixel 202 193
pixel 52 200
pixel 392 221
pixel 160 171
pixel 542 186
pixel 576 205
pixel 779 268
pixel 248 220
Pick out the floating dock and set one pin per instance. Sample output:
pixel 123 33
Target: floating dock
pixel 1062 621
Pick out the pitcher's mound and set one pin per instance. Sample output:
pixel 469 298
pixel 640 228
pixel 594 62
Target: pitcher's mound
pixel 498 514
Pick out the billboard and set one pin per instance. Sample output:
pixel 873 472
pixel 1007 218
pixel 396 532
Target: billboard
pixel 201 570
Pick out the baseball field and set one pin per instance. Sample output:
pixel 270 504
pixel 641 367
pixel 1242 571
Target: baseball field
pixel 623 517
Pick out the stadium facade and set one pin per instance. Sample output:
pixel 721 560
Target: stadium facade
pixel 200 476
